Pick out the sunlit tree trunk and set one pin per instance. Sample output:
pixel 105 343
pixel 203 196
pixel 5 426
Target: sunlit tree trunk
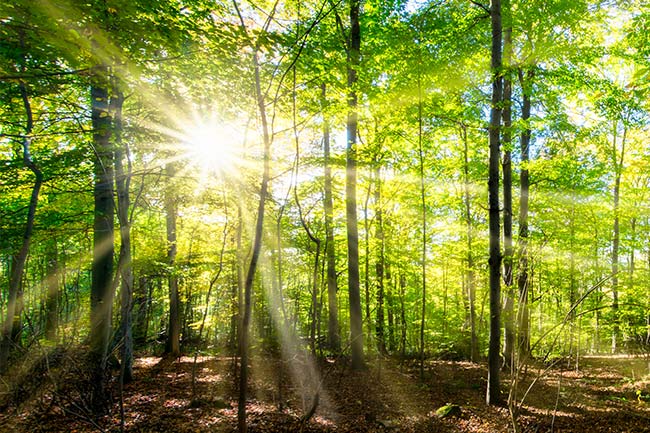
pixel 390 310
pixel 617 160
pixel 366 261
pixel 257 238
pixel 122 185
pixel 380 265
pixel 356 330
pixel 508 311
pixel 522 240
pixel 471 285
pixel 493 395
pixel 101 295
pixel 423 215
pixel 402 310
pixel 330 248
pixel 171 210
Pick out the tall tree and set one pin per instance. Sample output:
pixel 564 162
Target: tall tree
pixel 101 295
pixel 380 261
pixel 470 278
pixel 171 212
pixel 125 265
pixel 493 389
pixel 617 158
pixel 523 344
pixel 330 248
pixel 20 256
pixel 356 330
pixel 508 311
pixel 260 100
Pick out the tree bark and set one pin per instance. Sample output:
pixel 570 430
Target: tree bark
pixel 423 245
pixel 171 210
pixel 523 320
pixel 20 258
pixel 471 284
pixel 618 171
pixel 380 265
pixel 101 295
pixel 334 339
pixel 257 239
pixel 52 299
pixel 493 395
pixel 122 184
pixel 508 311
pixel 356 330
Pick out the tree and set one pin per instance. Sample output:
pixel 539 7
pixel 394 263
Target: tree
pixel 330 247
pixel 259 227
pixel 10 329
pixel 171 211
pixel 493 389
pixel 101 296
pixel 356 330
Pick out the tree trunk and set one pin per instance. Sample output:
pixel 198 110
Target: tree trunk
pixel 257 242
pixel 493 395
pixel 618 171
pixel 402 294
pixel 379 266
pixel 471 286
pixel 508 311
pixel 141 302
pixel 390 310
pixel 14 298
pixel 122 184
pixel 52 298
pixel 173 346
pixel 356 330
pixel 101 295
pixel 423 245
pixel 330 248
pixel 522 240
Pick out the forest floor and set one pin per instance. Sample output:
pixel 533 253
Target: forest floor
pixel 601 396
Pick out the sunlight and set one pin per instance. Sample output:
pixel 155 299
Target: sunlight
pixel 211 146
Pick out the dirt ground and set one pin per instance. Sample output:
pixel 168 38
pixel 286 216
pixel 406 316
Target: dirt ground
pixel 606 394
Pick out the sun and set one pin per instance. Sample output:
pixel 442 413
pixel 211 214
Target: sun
pixel 211 146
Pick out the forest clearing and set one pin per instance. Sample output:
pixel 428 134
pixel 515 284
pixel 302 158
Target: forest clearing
pixel 325 215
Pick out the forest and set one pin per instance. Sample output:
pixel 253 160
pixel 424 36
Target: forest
pixel 324 215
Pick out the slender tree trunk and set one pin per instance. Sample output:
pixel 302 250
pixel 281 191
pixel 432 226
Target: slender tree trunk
pixel 52 298
pixel 379 234
pixel 20 258
pixel 173 346
pixel 423 246
pixel 402 294
pixel 366 261
pixel 122 185
pixel 257 239
pixel 356 330
pixel 142 302
pixel 330 247
pixel 390 310
pixel 241 277
pixel 493 395
pixel 508 311
pixel 522 239
pixel 618 171
pixel 471 285
pixel 101 295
